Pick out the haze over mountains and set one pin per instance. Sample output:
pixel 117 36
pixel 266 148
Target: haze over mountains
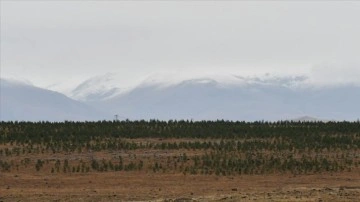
pixel 227 97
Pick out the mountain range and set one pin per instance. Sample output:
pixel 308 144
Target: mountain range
pixel 228 97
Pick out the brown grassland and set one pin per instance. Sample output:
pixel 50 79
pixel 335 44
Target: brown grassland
pixel 179 161
pixel 23 182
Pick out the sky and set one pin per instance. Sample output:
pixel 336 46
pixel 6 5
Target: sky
pixel 67 42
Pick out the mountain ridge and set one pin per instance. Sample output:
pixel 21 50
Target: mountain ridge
pixel 201 99
pixel 108 85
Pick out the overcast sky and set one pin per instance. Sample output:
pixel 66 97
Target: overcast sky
pixel 70 41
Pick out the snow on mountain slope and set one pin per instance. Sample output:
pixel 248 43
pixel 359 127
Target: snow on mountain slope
pixel 106 86
pixel 96 88
pixel 20 101
pixel 110 85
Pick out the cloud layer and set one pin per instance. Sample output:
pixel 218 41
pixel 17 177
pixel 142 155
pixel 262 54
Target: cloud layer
pixel 71 41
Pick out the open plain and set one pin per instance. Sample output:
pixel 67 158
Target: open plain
pixel 132 161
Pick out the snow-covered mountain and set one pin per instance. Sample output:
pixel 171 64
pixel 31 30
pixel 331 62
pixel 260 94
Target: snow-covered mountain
pixel 247 99
pixel 207 97
pixel 21 101
pixel 197 99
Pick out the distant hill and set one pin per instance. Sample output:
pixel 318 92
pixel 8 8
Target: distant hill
pixel 20 101
pixel 306 119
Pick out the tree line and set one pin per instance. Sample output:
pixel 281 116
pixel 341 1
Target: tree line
pixel 38 132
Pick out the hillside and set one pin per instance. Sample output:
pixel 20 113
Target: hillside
pixel 21 101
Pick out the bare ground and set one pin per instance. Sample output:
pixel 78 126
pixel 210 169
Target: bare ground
pixel 142 186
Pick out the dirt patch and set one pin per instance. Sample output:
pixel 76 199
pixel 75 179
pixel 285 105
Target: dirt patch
pixel 139 186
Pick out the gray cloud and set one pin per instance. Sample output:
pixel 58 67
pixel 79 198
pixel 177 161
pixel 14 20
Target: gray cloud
pixel 53 42
pixel 335 74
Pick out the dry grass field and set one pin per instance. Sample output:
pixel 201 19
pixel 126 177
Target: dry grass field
pixel 27 184
pixel 142 186
pixel 77 162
